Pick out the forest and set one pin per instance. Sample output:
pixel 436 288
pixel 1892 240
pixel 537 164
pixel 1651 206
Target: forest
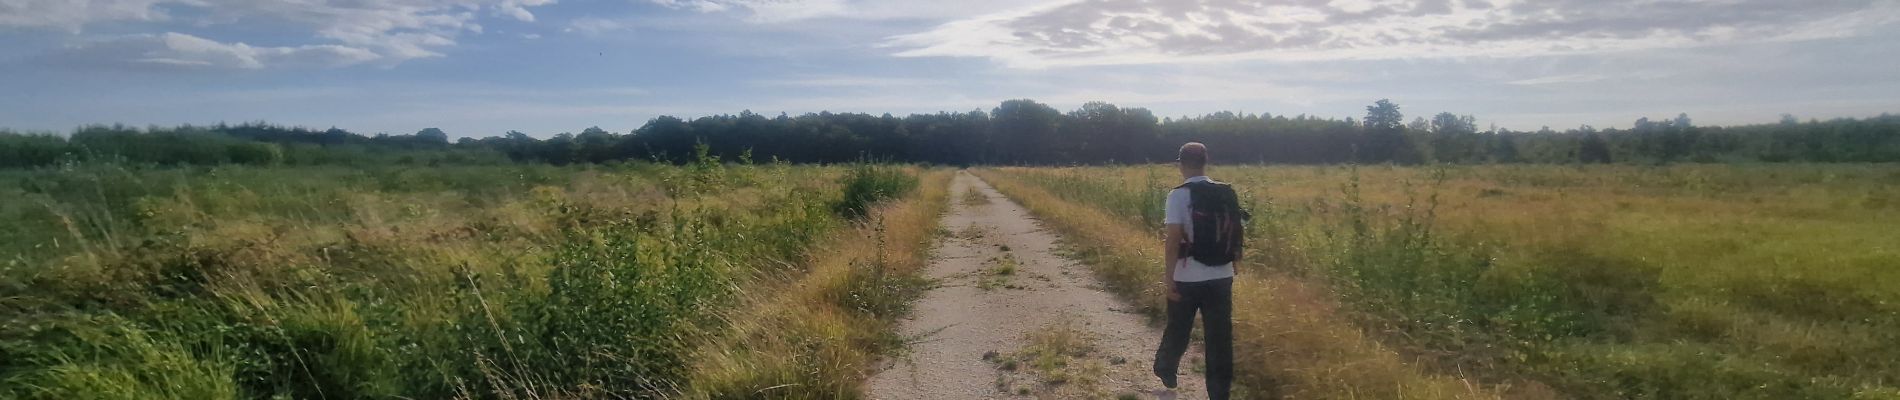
pixel 1016 132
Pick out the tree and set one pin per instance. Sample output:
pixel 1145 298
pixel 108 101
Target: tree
pixel 1101 132
pixel 432 136
pixel 1454 138
pixel 1384 135
pixel 1020 131
pixel 1025 131
pixel 1448 123
pixel 1504 148
pixel 665 138
pixel 1593 149
pixel 1383 114
pixel 520 147
pixel 597 145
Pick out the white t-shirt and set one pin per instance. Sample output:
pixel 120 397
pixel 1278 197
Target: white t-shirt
pixel 1178 213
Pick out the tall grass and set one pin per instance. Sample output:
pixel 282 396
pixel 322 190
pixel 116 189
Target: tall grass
pixel 867 184
pixel 1289 340
pixel 815 336
pixel 384 281
pixel 1599 282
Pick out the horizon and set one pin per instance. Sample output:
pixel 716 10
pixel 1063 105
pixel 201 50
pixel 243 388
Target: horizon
pixel 478 68
pixel 1160 120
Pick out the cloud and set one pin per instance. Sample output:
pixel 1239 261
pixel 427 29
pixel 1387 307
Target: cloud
pixel 765 10
pixel 413 95
pixel 1103 32
pixel 783 11
pixel 519 8
pixel 1558 79
pixel 178 50
pixel 71 15
pixel 695 5
pixel 850 82
pixel 394 30
pixel 594 26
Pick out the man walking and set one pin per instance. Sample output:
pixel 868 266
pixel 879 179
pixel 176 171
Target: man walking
pixel 1204 235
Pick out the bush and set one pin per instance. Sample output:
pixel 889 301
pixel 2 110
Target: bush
pixel 17 150
pixel 624 305
pixel 255 153
pixel 868 184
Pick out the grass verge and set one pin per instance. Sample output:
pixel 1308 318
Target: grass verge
pixel 815 336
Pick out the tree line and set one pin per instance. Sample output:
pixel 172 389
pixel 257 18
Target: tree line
pixel 1015 132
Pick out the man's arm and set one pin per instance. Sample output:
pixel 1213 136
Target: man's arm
pixel 1173 253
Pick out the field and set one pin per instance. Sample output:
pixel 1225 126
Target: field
pixel 1703 281
pixel 741 280
pixel 707 280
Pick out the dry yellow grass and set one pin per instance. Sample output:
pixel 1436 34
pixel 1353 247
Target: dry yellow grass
pixel 379 284
pixel 801 339
pixel 1288 339
pixel 1686 281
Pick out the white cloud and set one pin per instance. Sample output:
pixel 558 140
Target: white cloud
pixel 850 82
pixel 519 8
pixel 782 11
pixel 180 50
pixel 1107 32
pixel 1558 79
pixel 418 94
pixel 71 15
pixel 393 30
pixel 695 5
pixel 765 10
pixel 594 26
pixel 518 13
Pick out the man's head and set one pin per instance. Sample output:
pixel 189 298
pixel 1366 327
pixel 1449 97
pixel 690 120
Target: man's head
pixel 1193 159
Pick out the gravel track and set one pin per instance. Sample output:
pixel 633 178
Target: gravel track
pixel 1000 280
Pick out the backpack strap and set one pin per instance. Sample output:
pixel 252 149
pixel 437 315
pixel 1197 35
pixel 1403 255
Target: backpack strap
pixel 1209 182
pixel 1187 240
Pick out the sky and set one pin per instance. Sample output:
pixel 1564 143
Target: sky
pixel 478 68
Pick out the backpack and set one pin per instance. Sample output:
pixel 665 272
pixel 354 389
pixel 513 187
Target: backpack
pixel 1219 224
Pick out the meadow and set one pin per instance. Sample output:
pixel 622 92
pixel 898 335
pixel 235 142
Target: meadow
pixel 1551 281
pixel 715 280
pixel 706 280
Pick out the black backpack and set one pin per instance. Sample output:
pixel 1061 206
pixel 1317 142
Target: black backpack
pixel 1219 224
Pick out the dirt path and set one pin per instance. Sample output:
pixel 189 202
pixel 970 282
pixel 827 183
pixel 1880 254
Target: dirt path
pixel 1010 318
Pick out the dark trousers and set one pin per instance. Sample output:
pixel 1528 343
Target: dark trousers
pixel 1215 300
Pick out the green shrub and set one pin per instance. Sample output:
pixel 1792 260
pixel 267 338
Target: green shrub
pixel 255 153
pixel 622 306
pixel 868 184
pixel 31 150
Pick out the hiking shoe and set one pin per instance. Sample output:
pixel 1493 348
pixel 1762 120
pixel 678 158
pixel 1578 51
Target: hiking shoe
pixel 1165 394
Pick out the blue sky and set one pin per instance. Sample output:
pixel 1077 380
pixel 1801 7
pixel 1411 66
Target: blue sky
pixel 483 67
